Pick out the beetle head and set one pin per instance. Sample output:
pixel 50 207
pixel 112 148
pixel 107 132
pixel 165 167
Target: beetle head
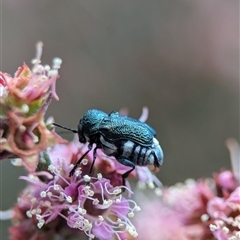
pixel 89 124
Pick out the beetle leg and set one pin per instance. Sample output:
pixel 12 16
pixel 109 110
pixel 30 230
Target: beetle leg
pixel 127 163
pixel 79 161
pixel 94 158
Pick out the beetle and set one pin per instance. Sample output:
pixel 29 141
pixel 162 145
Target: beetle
pixel 130 141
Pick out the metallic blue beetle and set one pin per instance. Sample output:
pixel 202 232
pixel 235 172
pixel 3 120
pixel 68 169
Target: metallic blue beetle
pixel 130 141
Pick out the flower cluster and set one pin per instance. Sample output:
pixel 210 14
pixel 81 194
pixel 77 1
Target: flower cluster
pixel 223 211
pixel 60 205
pixel 203 209
pixel 23 103
pixel 54 205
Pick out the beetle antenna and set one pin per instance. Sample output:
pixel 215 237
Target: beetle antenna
pixel 69 129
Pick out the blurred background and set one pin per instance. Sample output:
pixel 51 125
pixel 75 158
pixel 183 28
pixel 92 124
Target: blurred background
pixel 178 58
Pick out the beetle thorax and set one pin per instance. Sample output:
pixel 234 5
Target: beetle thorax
pixel 89 124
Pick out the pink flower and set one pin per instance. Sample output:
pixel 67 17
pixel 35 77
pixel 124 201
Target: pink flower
pixel 80 204
pixel 191 210
pixel 157 220
pixel 189 199
pixel 28 87
pixel 224 209
pixel 24 101
pixel 225 216
pixel 23 227
pixel 27 137
pixel 225 183
pixel 188 202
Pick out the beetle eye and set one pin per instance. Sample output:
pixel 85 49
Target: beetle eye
pixel 82 139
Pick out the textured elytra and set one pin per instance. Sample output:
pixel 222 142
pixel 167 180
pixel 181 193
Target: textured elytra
pixel 115 127
pixel 119 127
